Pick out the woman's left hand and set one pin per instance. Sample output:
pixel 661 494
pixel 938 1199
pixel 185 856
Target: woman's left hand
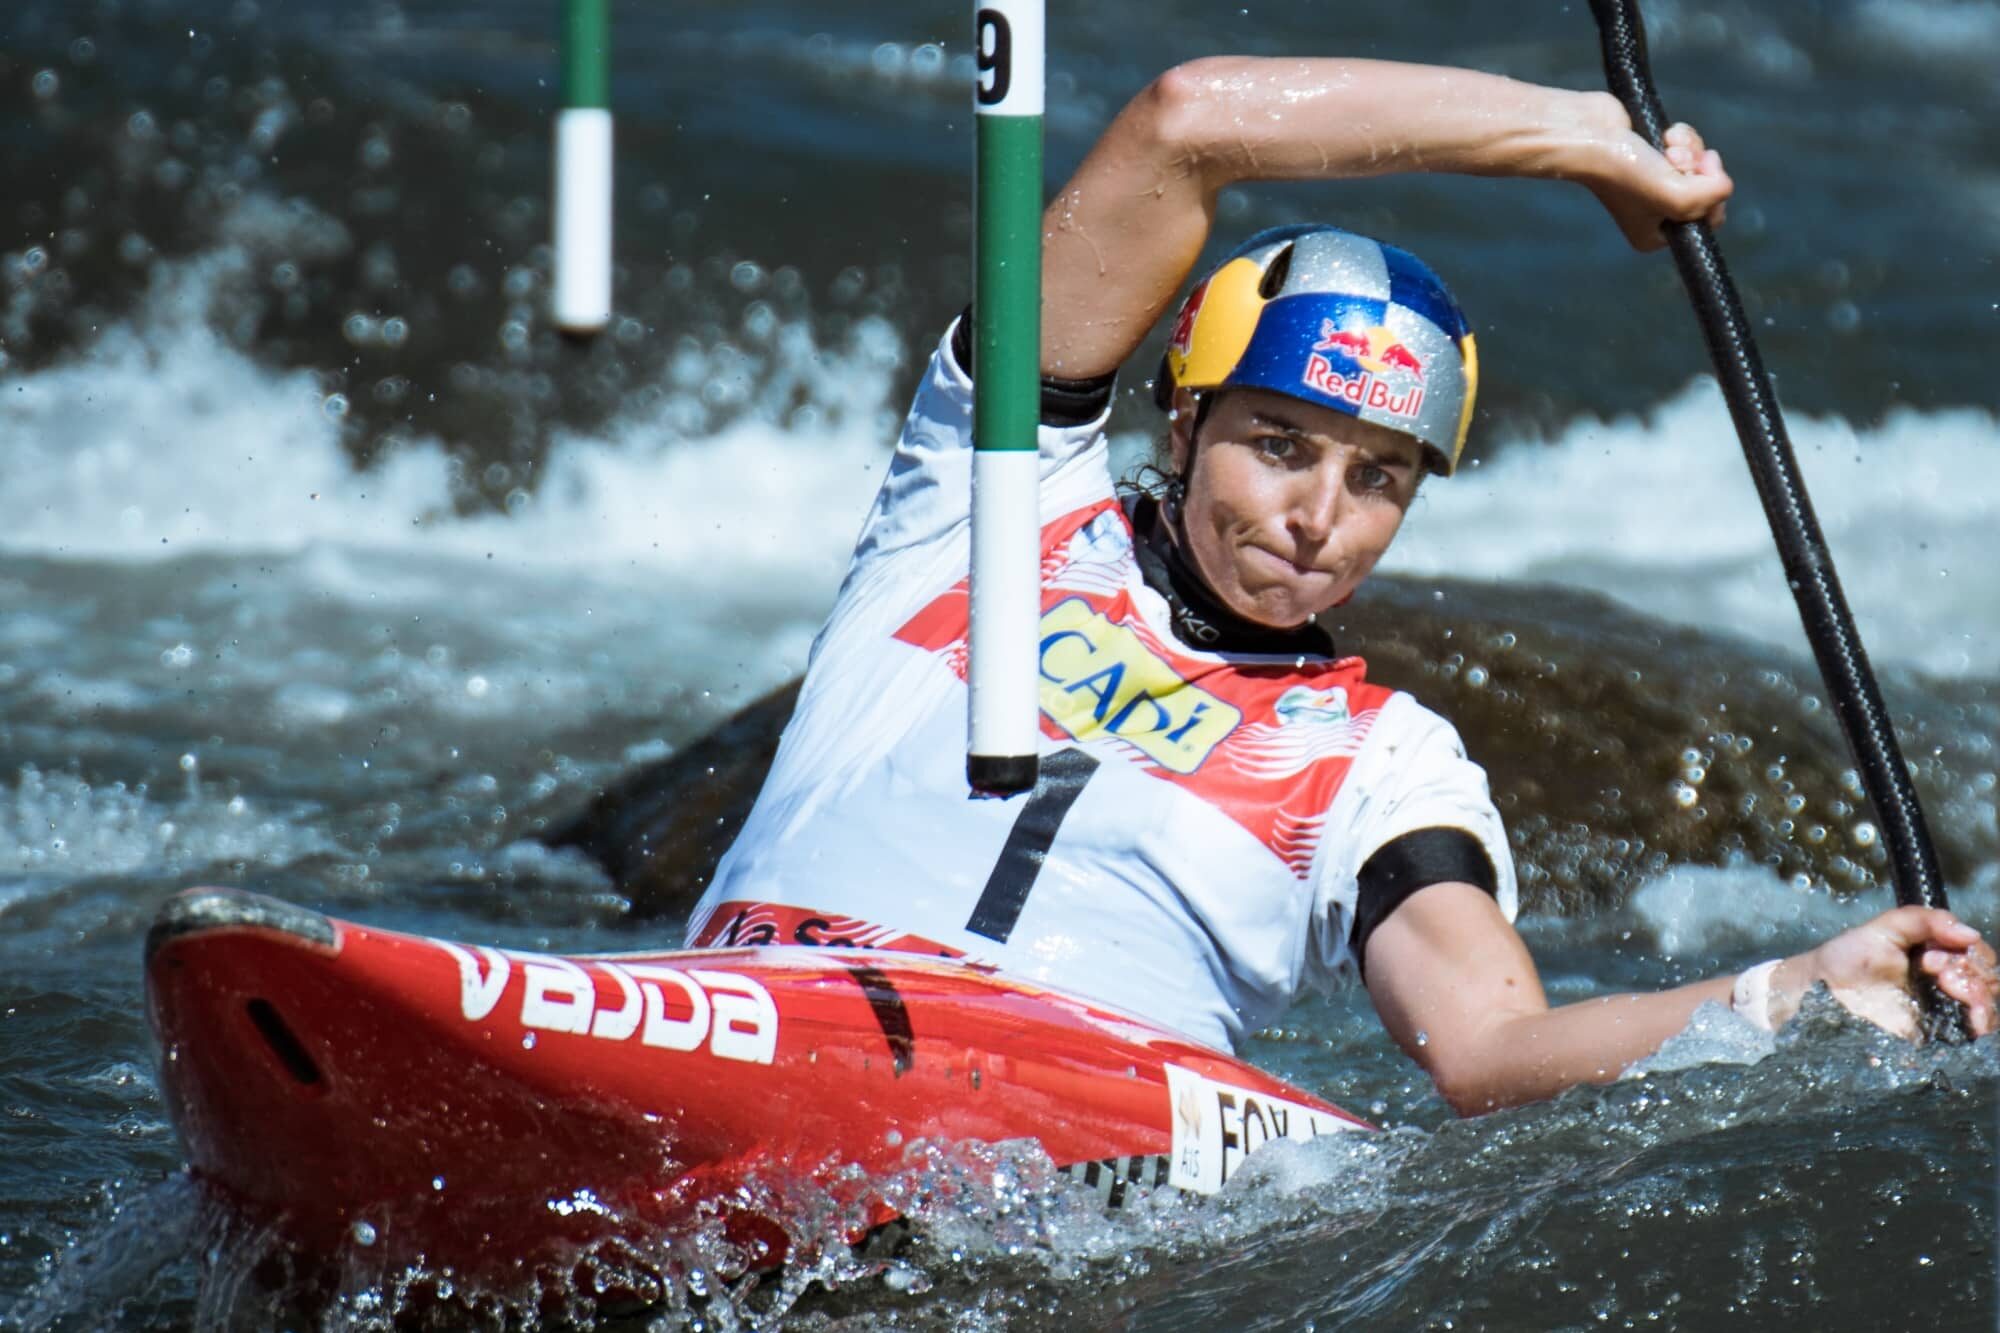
pixel 1643 188
pixel 1869 968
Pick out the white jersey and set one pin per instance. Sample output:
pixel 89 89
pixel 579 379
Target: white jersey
pixel 1190 855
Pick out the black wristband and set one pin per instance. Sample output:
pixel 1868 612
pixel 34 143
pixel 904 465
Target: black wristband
pixel 1064 402
pixel 1414 861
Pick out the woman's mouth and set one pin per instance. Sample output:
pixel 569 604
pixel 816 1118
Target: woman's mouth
pixel 1285 564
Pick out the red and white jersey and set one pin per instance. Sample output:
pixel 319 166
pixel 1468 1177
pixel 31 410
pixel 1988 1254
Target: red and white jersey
pixel 1191 855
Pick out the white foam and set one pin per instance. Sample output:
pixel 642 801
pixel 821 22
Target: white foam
pixel 1955 31
pixel 1661 514
pixel 1705 911
pixel 1742 911
pixel 57 825
pixel 162 440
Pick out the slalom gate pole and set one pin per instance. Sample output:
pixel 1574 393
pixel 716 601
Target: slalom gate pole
pixel 1808 564
pixel 580 303
pixel 1004 689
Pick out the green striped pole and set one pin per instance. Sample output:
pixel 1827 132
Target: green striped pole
pixel 1005 704
pixel 580 302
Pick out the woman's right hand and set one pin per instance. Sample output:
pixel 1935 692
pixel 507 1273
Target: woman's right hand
pixel 1642 188
pixel 1869 968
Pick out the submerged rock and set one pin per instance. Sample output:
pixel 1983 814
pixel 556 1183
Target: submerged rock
pixel 660 829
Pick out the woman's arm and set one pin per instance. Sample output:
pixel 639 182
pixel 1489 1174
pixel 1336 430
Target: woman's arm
pixel 1456 988
pixel 1130 224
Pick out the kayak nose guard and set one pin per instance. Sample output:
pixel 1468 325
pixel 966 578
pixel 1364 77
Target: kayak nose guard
pixel 199 910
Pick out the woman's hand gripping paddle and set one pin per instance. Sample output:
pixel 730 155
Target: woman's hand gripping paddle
pixel 1808 566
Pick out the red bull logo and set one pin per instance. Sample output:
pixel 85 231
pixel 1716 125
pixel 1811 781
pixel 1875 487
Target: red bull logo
pixel 1390 376
pixel 1182 337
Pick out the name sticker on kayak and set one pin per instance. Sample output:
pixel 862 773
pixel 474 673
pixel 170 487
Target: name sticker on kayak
pixel 663 1007
pixel 1217 1125
pixel 1100 679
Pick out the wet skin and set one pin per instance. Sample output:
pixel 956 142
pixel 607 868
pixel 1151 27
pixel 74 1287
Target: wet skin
pixel 1289 505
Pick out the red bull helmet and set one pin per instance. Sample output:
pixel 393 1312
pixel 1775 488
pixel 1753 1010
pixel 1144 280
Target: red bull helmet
pixel 1336 320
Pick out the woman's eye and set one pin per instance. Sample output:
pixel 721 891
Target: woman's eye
pixel 1277 447
pixel 1371 477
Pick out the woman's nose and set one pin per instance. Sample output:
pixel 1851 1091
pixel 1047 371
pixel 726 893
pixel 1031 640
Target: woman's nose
pixel 1316 502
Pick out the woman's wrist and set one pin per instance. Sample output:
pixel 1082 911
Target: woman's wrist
pixel 1587 138
pixel 1751 995
pixel 1768 994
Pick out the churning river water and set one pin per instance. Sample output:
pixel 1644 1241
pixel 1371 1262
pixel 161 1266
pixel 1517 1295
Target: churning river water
pixel 329 571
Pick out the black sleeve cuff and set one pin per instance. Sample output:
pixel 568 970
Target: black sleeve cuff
pixel 1417 860
pixel 1064 402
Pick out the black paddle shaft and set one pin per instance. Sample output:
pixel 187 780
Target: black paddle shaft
pixel 1843 663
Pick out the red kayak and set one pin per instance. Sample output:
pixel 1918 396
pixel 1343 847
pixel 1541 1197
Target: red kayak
pixel 473 1099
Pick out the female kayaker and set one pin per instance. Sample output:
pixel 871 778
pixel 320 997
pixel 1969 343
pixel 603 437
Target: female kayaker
pixel 1229 810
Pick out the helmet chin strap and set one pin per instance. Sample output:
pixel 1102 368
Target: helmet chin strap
pixel 1176 500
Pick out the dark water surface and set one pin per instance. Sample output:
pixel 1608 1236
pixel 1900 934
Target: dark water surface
pixel 328 570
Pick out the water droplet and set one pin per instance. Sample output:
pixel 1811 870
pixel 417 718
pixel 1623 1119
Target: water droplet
pixel 1423 1038
pixel 363 1233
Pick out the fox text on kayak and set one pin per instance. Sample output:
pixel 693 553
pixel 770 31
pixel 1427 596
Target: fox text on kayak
pixel 1217 1125
pixel 664 1007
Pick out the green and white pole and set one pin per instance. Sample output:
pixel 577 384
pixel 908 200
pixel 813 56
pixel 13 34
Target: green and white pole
pixel 581 301
pixel 1004 678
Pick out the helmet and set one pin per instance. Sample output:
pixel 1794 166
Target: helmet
pixel 1336 320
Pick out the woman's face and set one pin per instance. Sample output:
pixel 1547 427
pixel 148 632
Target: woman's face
pixel 1289 505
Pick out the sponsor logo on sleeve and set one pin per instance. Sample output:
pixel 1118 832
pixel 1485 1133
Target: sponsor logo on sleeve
pixel 1100 679
pixel 1302 705
pixel 1217 1125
